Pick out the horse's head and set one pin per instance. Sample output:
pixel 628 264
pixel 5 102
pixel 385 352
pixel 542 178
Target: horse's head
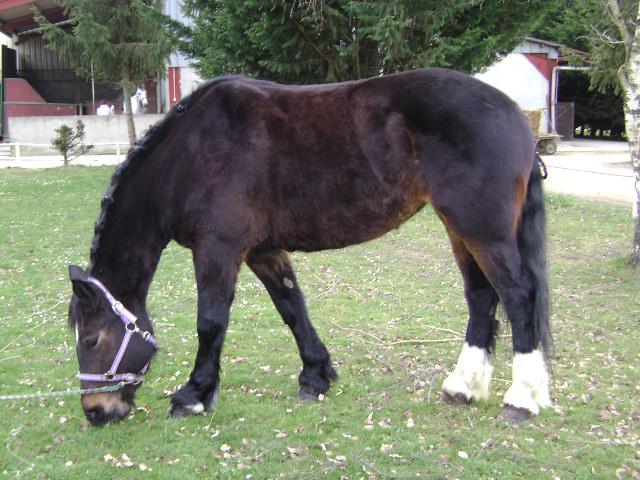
pixel 111 344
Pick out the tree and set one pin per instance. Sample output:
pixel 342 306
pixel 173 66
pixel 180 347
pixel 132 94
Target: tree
pixel 608 30
pixel 626 18
pixel 119 41
pixel 70 142
pixel 307 41
pixel 613 42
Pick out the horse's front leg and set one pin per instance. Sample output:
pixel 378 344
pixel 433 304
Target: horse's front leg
pixel 275 271
pixel 216 275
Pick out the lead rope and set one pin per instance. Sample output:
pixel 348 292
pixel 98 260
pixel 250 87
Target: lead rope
pixel 543 168
pixel 78 391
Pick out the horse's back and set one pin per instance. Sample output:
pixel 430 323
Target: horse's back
pixel 331 165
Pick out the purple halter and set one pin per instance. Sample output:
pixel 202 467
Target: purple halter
pixel 131 327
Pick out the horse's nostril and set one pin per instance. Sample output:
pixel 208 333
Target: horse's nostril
pixel 95 414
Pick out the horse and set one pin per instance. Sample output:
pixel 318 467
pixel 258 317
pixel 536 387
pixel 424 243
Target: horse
pixel 246 170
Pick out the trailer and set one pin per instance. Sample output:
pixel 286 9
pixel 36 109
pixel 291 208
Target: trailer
pixel 546 143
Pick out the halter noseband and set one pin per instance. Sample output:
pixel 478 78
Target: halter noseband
pixel 131 327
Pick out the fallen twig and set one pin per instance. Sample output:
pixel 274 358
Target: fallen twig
pixel 435 340
pixel 33 327
pixel 416 341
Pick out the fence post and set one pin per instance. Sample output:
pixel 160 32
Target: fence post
pixel 118 150
pixel 17 152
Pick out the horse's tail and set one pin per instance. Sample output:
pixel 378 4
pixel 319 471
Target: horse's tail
pixel 532 246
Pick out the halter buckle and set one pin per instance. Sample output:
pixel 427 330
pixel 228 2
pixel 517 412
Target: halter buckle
pixel 109 376
pixel 116 307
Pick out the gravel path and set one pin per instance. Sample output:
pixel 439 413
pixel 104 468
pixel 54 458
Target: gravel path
pixel 593 169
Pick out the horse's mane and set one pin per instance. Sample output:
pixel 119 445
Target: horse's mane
pixel 140 150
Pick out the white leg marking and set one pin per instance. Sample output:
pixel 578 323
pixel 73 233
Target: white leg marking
pixel 472 374
pixel 214 399
pixel 530 387
pixel 195 408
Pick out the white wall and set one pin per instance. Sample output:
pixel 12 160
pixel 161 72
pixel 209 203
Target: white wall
pixel 6 40
pixel 173 8
pixel 98 129
pixel 190 80
pixel 522 81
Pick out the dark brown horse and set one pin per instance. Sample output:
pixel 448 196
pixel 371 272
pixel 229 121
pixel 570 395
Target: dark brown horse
pixel 246 170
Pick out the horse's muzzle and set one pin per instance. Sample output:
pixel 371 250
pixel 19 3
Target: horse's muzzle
pixel 102 408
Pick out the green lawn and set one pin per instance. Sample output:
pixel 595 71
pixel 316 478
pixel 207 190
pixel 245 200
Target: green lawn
pixel 382 419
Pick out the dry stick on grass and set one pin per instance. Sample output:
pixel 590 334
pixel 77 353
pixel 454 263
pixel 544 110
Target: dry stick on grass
pixel 334 288
pixel 33 327
pixel 356 330
pixel 445 330
pixel 435 340
pixel 416 341
pixel 398 342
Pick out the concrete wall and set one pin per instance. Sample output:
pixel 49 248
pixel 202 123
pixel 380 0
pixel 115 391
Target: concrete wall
pixel 99 129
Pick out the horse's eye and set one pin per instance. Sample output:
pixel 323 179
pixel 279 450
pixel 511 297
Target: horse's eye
pixel 90 342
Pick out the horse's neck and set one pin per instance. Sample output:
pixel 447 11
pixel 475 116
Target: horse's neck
pixel 127 255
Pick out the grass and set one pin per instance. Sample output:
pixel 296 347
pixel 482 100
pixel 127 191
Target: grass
pixel 382 419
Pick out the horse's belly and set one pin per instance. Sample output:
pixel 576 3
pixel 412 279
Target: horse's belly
pixel 338 224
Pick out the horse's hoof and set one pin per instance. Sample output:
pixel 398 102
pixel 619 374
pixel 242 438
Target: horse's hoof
pixel 515 414
pixel 176 410
pixel 307 393
pixel 457 399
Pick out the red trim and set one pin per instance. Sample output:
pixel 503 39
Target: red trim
pixel 152 101
pixel 8 4
pixel 26 23
pixel 44 110
pixel 19 90
pixel 544 64
pixel 175 90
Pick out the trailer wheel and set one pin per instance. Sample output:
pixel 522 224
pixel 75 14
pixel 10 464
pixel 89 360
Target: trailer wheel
pixel 551 147
pixel 542 146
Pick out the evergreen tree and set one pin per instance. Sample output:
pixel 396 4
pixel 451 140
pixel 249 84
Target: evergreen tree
pixel 70 142
pixel 616 58
pixel 609 30
pixel 119 41
pixel 305 41
pixel 585 25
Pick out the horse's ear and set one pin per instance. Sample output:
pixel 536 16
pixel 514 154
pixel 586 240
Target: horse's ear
pixel 83 289
pixel 76 273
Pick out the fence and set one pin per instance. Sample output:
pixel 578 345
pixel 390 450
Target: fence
pixel 22 153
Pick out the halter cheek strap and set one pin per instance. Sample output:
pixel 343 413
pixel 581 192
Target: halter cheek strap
pixel 131 327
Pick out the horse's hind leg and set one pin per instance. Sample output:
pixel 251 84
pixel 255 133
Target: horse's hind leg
pixel 518 288
pixel 472 375
pixel 276 273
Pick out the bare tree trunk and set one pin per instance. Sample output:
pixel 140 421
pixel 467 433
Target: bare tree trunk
pixel 629 75
pixel 632 123
pixel 128 112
